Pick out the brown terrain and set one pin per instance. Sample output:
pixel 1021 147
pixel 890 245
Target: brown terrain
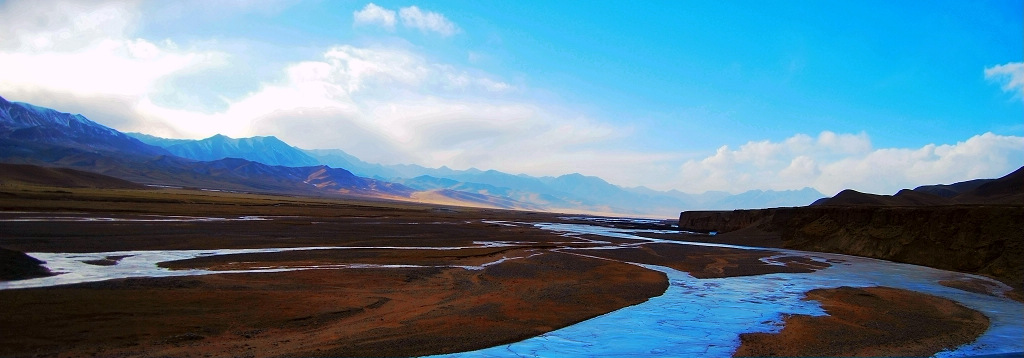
pixel 60 177
pixel 709 262
pixel 976 227
pixel 870 322
pixel 546 281
pixel 352 312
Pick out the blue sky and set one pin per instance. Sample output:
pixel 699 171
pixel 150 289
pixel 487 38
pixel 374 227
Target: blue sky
pixel 688 95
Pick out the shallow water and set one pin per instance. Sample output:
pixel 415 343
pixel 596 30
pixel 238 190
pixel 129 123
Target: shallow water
pixel 704 317
pixel 74 268
pixel 694 317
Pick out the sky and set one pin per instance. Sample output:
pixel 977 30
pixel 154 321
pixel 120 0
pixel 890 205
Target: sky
pixel 688 95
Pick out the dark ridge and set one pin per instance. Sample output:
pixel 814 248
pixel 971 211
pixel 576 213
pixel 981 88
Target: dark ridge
pixel 1006 190
pixel 61 177
pixel 951 190
pixel 977 231
pixel 852 197
pixel 15 265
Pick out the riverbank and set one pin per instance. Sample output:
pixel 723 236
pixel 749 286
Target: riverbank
pixel 385 279
pixel 870 321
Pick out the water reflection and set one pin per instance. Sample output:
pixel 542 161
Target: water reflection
pixel 71 268
pixel 694 317
pixel 704 317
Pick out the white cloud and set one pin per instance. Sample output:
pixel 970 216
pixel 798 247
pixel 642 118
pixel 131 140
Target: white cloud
pixel 69 54
pixel 60 25
pixel 833 162
pixel 411 16
pixel 406 109
pixel 394 105
pixel 1010 75
pixel 372 14
pixel 427 21
pixel 389 105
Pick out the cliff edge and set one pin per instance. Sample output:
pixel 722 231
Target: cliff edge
pixel 979 230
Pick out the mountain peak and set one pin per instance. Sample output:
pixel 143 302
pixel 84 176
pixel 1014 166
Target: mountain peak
pixel 33 124
pixel 267 150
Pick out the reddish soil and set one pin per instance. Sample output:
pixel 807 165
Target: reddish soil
pixel 874 321
pixel 973 285
pixel 351 312
pixel 707 261
pixel 983 287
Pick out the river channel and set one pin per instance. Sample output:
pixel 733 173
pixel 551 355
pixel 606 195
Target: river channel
pixel 694 317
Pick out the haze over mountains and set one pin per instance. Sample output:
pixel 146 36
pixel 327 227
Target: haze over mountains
pixel 571 191
pixel 35 135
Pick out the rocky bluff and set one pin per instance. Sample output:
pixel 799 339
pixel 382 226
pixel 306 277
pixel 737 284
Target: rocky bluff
pixel 976 228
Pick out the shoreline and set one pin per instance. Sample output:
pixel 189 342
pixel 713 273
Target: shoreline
pixel 520 286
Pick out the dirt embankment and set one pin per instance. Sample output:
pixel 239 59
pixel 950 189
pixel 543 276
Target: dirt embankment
pixel 723 221
pixel 966 238
pixel 873 321
pixel 15 265
pixel 986 240
pixel 352 312
pixel 709 262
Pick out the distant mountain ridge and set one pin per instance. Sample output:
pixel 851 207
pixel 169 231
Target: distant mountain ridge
pixel 42 136
pixel 267 150
pixel 35 139
pixel 570 192
pixel 26 123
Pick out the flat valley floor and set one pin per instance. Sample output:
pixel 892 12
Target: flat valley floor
pixel 262 275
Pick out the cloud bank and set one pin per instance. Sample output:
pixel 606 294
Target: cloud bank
pixel 391 104
pixel 832 162
pixel 1010 75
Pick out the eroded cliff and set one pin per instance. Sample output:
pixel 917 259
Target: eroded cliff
pixel 979 231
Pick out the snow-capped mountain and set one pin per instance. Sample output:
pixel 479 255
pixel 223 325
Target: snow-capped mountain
pixel 267 150
pixel 23 122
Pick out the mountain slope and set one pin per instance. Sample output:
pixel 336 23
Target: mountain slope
pixel 60 177
pixel 267 150
pixel 45 137
pixel 1007 190
pixel 571 192
pixel 26 123
pixel 41 136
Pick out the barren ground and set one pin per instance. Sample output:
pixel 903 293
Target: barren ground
pixel 546 281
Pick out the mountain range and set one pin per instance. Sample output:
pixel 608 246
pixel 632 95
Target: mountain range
pixel 41 136
pixel 570 192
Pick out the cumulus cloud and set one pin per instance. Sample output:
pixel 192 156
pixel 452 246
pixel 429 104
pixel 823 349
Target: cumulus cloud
pixel 1010 75
pixel 832 162
pixel 392 106
pixel 412 17
pixel 69 54
pixel 372 14
pixel 395 105
pixel 427 21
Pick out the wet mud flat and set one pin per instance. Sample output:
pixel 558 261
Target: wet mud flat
pixel 351 312
pixel 896 323
pixel 335 277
